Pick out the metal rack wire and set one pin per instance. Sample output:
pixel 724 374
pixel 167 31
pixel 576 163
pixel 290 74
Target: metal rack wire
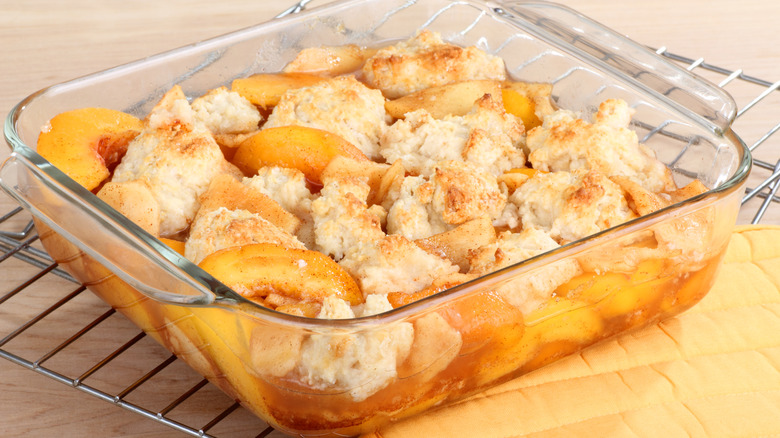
pixel 20 250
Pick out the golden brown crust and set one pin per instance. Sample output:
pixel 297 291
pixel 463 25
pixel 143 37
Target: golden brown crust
pixel 465 194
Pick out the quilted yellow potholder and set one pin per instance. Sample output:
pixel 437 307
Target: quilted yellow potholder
pixel 712 371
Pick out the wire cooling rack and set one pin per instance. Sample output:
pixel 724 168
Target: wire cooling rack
pixel 72 324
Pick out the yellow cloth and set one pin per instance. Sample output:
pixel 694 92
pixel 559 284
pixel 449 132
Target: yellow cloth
pixel 712 371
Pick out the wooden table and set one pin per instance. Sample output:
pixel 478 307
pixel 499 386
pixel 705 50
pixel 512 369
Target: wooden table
pixel 44 42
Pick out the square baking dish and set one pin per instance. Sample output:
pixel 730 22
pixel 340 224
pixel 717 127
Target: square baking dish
pixel 461 340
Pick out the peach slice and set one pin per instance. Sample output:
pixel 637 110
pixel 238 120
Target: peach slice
pixel 457 244
pixel 186 334
pixel 86 143
pixel 226 191
pixel 225 338
pixel 260 269
pixel 527 171
pixel 329 60
pixel 307 309
pixel 520 106
pixel 452 99
pixel 621 295
pixel 484 318
pixel 307 149
pixel 550 352
pixel 559 328
pixel 592 287
pixel 135 201
pixel 516 177
pixel 530 101
pixel 176 245
pixel 398 299
pixel 645 288
pixel 389 183
pixel 692 288
pixel 341 167
pixel 266 89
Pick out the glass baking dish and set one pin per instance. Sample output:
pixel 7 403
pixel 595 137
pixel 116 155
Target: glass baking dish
pixel 382 368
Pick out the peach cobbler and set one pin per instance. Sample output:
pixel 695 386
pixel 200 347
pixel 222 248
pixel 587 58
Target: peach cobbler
pixel 359 180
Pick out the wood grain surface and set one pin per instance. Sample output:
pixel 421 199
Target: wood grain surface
pixel 43 42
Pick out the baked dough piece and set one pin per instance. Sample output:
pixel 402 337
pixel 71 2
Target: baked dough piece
pixel 456 193
pixel 487 137
pixel 426 61
pixel 533 289
pixel 567 143
pixel 395 264
pixel 176 157
pixel 287 187
pixel 359 363
pixel 342 219
pixel 229 116
pixel 570 205
pixel 226 112
pixel 348 229
pixel 342 105
pixel 224 228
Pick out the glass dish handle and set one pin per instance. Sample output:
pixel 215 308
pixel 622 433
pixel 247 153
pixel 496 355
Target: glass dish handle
pixel 582 37
pixel 140 260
